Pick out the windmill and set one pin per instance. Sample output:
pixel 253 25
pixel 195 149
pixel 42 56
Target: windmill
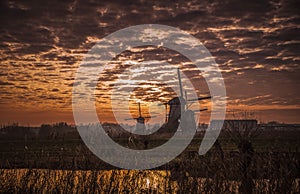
pixel 179 109
pixel 140 121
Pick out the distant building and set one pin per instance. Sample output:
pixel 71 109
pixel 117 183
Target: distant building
pixel 279 126
pixel 238 124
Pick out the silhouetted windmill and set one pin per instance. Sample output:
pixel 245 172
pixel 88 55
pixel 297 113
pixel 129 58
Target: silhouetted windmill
pixel 180 106
pixel 140 120
pixel 187 107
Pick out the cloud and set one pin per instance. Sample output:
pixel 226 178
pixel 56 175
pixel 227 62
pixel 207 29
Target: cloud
pixel 4 83
pixel 256 44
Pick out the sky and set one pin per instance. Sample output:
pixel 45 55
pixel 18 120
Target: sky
pixel 255 43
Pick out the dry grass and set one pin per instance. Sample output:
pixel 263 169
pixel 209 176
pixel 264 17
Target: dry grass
pixel 240 168
pixel 122 181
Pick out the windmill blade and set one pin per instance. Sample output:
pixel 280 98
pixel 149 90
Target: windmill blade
pixel 140 112
pixel 201 98
pixel 186 98
pixel 166 107
pixel 128 119
pixel 201 110
pixel 189 105
pixel 166 118
pixel 180 84
pixel 161 104
pixel 149 117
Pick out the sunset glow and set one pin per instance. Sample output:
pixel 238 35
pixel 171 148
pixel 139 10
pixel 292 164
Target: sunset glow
pixel 42 47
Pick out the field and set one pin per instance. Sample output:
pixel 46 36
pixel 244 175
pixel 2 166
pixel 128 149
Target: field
pixel 268 162
pixel 120 181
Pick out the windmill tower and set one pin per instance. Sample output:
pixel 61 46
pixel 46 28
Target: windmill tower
pixel 140 126
pixel 179 110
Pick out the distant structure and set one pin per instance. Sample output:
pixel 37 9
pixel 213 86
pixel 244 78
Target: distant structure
pixel 179 109
pixel 238 124
pixel 140 121
pixel 279 126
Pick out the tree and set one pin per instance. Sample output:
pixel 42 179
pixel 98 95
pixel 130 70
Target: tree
pixel 241 132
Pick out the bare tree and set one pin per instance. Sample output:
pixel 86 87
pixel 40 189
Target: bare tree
pixel 241 132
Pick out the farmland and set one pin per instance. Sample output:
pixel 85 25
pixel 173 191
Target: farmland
pixel 66 165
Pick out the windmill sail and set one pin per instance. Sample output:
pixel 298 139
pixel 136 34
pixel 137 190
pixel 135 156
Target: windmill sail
pixel 180 84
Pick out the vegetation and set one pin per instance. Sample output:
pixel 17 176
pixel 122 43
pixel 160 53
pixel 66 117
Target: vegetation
pixel 243 160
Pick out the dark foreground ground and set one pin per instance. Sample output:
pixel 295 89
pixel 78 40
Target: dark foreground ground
pixel 269 161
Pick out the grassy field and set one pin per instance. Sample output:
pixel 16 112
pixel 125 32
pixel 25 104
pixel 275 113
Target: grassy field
pixel 270 165
pixel 35 152
pixel 124 181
